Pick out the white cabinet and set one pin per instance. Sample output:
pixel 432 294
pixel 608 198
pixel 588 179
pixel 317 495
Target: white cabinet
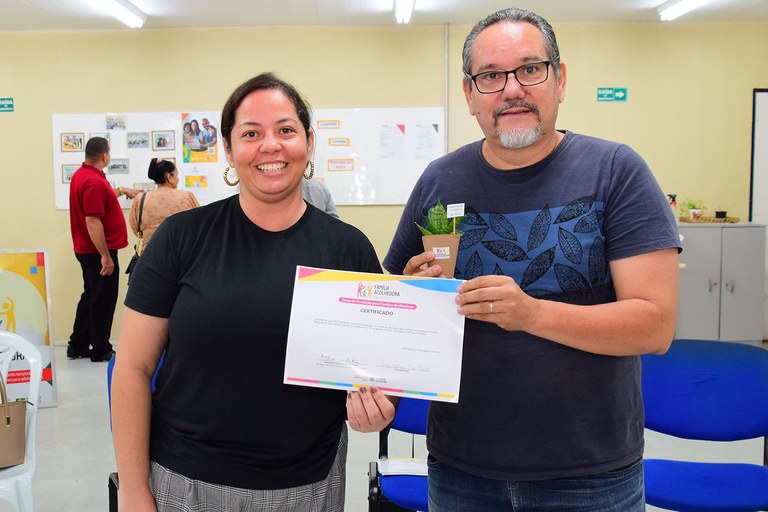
pixel 721 284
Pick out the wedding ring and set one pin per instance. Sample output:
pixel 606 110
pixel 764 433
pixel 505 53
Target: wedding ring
pixel 490 304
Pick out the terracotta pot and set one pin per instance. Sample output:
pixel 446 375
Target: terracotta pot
pixel 446 248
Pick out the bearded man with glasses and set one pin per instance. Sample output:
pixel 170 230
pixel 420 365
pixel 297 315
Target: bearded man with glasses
pixel 569 253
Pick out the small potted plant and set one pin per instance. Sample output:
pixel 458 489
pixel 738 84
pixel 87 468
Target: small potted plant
pixel 691 209
pixel 439 235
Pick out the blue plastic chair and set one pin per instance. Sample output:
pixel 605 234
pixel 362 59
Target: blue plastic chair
pixel 400 492
pixel 710 391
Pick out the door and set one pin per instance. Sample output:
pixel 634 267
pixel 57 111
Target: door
pixel 699 299
pixel 743 274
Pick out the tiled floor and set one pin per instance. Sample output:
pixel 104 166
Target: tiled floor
pixel 75 454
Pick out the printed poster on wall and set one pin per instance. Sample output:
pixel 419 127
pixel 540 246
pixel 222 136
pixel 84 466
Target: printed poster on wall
pixel 200 134
pixel 25 310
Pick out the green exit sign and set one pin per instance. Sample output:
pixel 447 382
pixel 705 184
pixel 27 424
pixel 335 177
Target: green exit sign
pixel 611 94
pixel 6 104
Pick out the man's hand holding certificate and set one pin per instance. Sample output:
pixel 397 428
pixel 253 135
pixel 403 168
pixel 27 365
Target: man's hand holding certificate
pixel 401 334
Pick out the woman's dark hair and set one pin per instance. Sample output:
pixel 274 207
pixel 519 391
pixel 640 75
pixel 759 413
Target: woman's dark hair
pixel 258 83
pixel 95 147
pixel 159 170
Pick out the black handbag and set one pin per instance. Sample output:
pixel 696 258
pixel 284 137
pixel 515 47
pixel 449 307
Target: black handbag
pixel 139 243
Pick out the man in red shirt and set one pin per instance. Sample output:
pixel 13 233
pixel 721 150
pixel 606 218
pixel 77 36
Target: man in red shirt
pixel 98 231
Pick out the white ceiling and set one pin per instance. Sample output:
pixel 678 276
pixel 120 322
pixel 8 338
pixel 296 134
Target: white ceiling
pixel 87 15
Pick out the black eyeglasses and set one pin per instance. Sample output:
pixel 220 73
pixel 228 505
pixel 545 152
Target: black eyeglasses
pixel 531 73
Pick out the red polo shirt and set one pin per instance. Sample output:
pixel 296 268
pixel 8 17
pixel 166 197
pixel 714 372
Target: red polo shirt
pixel 90 195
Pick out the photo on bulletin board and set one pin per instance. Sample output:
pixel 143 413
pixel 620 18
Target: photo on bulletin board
pixel 115 122
pixel 72 142
pixel 118 166
pixel 67 170
pixel 163 140
pixel 137 140
pixel 200 137
pixel 103 135
pixel 144 187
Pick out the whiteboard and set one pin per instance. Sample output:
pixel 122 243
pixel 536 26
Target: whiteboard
pixel 758 196
pixel 758 200
pixel 369 156
pixel 365 156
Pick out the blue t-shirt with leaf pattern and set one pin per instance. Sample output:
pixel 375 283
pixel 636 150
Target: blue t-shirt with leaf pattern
pixel 529 408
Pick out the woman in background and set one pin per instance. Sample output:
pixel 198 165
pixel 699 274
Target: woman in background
pixel 160 203
pixel 221 431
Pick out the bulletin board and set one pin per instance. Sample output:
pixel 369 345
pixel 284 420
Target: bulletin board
pixel 135 138
pixel 365 156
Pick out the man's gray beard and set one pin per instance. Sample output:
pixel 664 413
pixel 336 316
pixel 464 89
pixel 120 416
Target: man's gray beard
pixel 519 139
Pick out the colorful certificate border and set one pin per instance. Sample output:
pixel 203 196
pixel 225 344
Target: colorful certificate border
pixel 412 393
pixel 355 278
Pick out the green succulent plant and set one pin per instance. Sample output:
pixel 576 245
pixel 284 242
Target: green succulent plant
pixel 436 221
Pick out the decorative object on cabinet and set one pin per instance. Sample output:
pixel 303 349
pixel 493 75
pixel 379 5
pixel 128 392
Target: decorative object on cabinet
pixel 725 220
pixel 691 209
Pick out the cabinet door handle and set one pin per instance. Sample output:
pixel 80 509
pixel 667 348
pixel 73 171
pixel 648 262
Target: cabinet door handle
pixel 712 284
pixel 731 285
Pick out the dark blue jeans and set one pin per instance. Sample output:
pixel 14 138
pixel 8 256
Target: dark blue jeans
pixel 452 490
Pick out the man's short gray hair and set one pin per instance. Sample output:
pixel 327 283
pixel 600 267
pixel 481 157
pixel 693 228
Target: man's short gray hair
pixel 512 14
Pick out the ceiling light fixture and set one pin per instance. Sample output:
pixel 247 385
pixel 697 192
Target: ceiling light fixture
pixel 126 12
pixel 403 10
pixel 668 11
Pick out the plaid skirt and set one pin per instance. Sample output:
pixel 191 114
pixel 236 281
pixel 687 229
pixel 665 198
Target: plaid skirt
pixel 176 493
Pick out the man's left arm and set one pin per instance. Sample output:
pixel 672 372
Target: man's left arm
pixel 642 320
pixel 98 237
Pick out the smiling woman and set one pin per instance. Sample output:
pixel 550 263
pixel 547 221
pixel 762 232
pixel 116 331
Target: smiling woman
pixel 227 279
pixel 268 141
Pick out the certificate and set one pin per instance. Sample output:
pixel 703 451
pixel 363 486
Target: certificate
pixel 401 334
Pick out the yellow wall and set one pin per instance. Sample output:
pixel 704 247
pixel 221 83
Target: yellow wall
pixel 689 109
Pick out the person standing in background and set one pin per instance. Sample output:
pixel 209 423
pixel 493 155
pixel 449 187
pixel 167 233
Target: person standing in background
pixel 317 194
pixel 161 203
pixel 98 231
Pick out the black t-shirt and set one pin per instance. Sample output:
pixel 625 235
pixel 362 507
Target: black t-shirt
pixel 220 412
